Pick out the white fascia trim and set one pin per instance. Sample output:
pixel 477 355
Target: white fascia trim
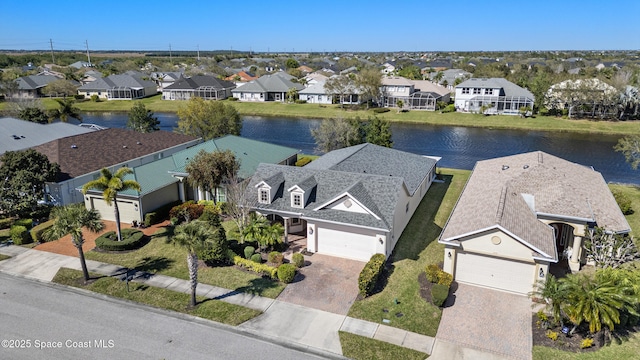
pixel 295 187
pixel 566 217
pixel 261 183
pixel 350 197
pixel 341 223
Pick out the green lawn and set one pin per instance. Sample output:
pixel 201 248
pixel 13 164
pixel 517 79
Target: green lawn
pixel 627 350
pixel 4 257
pixel 215 310
pixel 162 258
pixel 633 193
pixel 5 234
pixel 539 123
pixel 416 248
pixel 363 348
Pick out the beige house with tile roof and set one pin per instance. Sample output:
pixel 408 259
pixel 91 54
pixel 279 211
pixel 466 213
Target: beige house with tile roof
pixel 521 216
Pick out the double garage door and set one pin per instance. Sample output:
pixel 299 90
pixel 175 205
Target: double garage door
pixel 127 209
pixel 343 244
pixel 497 273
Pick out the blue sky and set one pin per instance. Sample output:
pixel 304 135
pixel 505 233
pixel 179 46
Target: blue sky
pixel 328 25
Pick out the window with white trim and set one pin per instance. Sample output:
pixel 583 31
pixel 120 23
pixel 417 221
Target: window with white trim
pixel 465 90
pixel 477 91
pixel 296 200
pixel 488 91
pixel 264 196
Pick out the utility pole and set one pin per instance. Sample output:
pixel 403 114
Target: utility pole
pixel 170 57
pixel 88 56
pixel 198 53
pixel 53 61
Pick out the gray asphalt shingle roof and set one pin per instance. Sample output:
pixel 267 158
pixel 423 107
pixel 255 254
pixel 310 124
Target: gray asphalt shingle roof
pixel 33 82
pixel 197 81
pixel 510 89
pixel 278 82
pixel 556 186
pixel 118 81
pixel 32 134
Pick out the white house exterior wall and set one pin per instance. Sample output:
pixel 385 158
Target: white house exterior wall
pixel 249 96
pixel 401 216
pixel 344 241
pixel 87 94
pixel 316 98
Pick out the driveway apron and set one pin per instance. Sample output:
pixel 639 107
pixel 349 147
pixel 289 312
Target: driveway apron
pixel 488 320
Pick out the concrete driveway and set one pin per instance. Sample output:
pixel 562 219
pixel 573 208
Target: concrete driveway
pixel 496 323
pixel 325 283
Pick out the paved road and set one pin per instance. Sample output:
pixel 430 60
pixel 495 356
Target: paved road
pixel 60 323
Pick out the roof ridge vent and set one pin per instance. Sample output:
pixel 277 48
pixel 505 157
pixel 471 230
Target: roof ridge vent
pixel 503 200
pixel 540 157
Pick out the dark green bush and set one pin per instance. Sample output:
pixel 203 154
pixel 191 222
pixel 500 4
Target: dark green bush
pixel 20 235
pixel 439 294
pixel 370 274
pixel 286 273
pixel 188 209
pixel 381 110
pixel 303 161
pixel 298 101
pixel 275 257
pixel 256 258
pixel 131 239
pixel 163 211
pixel 297 259
pixel 28 223
pixel 6 223
pixel 623 201
pixel 432 272
pixel 150 219
pixel 230 255
pixel 449 108
pixel 78 97
pixel 95 98
pixel 38 230
pixel 248 251
pixel 231 98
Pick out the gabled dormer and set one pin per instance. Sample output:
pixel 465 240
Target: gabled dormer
pixel 301 192
pixel 355 199
pixel 268 188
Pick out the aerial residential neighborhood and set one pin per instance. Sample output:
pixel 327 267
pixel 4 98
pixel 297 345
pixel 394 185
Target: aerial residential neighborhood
pixel 342 181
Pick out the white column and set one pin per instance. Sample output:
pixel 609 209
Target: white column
pixel 577 247
pixel 286 230
pixel 181 190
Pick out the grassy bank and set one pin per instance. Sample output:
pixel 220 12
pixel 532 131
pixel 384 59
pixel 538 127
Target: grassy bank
pixel 539 123
pixel 161 298
pixel 363 348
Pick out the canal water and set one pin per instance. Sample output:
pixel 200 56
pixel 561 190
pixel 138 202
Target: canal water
pixel 459 147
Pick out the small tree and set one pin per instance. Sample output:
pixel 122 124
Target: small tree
pixel 400 105
pixel 553 293
pixel 65 110
pixel 193 237
pixel 607 249
pixel 629 146
pixel 141 119
pixel 338 133
pixel 208 119
pixel 292 95
pixel 34 114
pixel 259 230
pixel 209 170
pixel 60 88
pixel 378 131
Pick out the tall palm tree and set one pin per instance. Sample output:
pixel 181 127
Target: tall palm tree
pixel 71 219
pixel 193 236
pixel 261 231
pixel 110 184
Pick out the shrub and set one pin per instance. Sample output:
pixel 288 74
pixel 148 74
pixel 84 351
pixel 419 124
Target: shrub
pixel 275 257
pixel 263 269
pixel 286 273
pixel 20 235
pixel 256 258
pixel 439 294
pixel 131 239
pixel 248 251
pixel 370 274
pixel 163 211
pixel 218 251
pixel 230 255
pixel 303 161
pixel 28 223
pixel 6 223
pixel 78 97
pixel 95 98
pixel 552 335
pixel 449 108
pixel 432 272
pixel 381 110
pixel 187 211
pixel 586 343
pixel 150 218
pixel 298 101
pixel 444 278
pixel 623 201
pixel 231 98
pixel 298 260
pixel 38 230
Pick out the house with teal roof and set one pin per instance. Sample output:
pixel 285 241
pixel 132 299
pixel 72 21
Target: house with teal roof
pixel 165 180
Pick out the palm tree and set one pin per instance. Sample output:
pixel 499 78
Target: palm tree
pixel 400 105
pixel 261 231
pixel 597 300
pixel 66 110
pixel 193 236
pixel 110 184
pixel 553 293
pixel 71 219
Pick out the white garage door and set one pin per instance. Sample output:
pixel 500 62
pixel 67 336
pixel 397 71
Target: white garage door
pixel 128 213
pixel 344 244
pixel 509 275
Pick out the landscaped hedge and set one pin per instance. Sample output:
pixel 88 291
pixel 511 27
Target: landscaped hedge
pixel 303 161
pixel 19 235
pixel 432 272
pixel 28 223
pixel 286 273
pixel 444 278
pixel 439 294
pixel 38 230
pixel 380 110
pixel 159 214
pixel 131 239
pixel 193 210
pixel 262 269
pixel 249 251
pixel 256 258
pixel 297 259
pixel 275 257
pixel 6 223
pixel 370 274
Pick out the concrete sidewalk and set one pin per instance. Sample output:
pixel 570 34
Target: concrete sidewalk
pixel 280 321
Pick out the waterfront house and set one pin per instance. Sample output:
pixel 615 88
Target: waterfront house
pixel 492 96
pixel 203 86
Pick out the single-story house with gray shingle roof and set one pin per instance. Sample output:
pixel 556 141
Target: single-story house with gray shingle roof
pixel 163 181
pixel 16 134
pixel 352 203
pixel 503 96
pixel 31 86
pixel 203 86
pixel 315 94
pixel 119 87
pixel 520 217
pixel 271 87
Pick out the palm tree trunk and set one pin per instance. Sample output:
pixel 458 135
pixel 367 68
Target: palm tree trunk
pixel 83 262
pixel 116 211
pixel 192 261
